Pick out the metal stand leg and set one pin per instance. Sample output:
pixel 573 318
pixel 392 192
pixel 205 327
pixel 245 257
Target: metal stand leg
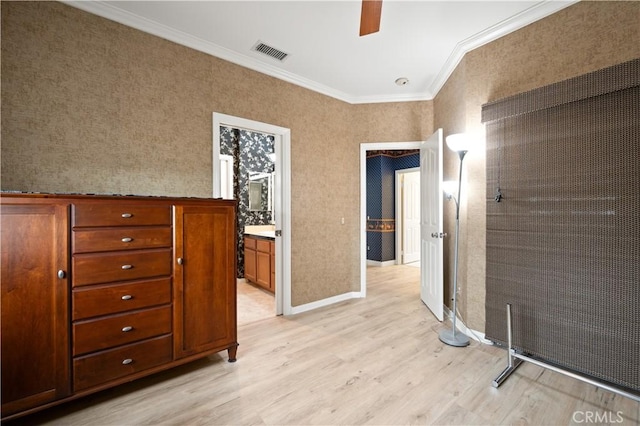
pixel 515 359
pixel 512 362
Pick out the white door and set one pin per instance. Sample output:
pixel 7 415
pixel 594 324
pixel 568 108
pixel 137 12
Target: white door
pixel 411 217
pixel 431 281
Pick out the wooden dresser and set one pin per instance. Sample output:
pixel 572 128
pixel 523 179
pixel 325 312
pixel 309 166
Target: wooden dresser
pixel 101 290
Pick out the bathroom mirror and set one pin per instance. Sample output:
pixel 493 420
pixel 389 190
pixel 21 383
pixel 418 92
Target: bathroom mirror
pixel 260 191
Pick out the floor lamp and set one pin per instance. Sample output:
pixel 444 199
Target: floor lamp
pixel 459 143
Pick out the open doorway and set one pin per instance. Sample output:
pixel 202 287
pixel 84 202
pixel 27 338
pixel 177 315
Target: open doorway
pixel 280 193
pixel 250 155
pixel 379 229
pixel 431 252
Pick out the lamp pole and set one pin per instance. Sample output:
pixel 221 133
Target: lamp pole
pixel 451 337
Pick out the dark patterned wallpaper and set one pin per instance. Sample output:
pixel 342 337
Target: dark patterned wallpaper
pixel 381 235
pixel 250 151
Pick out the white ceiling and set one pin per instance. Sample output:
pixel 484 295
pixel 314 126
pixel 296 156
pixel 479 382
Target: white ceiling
pixel 422 40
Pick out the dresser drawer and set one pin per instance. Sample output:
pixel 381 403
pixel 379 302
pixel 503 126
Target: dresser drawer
pixel 111 239
pixel 115 330
pixel 120 266
pixel 94 301
pixel 96 369
pixel 116 214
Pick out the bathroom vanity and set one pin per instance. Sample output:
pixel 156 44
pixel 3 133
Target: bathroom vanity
pixel 260 256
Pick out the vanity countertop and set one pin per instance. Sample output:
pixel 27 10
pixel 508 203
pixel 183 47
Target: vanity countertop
pixel 264 234
pixel 265 231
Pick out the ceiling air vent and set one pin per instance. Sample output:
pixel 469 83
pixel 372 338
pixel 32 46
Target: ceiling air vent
pixel 270 51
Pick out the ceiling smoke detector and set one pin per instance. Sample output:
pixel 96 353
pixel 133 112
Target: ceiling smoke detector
pixel 402 81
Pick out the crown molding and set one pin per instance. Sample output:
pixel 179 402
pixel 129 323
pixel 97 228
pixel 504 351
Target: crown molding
pixel 132 20
pixel 376 99
pixel 520 20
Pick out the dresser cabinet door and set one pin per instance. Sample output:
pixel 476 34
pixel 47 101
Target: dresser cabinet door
pixel 205 280
pixel 35 304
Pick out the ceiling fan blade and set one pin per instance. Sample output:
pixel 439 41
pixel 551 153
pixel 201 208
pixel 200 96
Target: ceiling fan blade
pixel 370 16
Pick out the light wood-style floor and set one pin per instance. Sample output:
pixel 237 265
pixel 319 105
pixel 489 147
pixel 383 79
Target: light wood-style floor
pixel 254 303
pixel 374 361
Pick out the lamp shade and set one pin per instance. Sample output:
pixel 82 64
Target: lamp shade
pixel 460 142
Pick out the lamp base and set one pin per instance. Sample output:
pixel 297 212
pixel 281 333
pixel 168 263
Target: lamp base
pixel 458 339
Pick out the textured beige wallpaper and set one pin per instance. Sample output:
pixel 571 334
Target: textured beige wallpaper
pixel 89 105
pixel 394 122
pixel 581 38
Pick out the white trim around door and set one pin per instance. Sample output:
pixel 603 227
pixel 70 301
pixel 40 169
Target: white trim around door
pixel 282 196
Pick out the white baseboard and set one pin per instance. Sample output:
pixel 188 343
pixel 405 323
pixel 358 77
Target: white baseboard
pixel 325 302
pixel 377 263
pixel 476 335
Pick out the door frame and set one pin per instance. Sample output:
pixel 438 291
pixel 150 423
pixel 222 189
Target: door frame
pixel 228 159
pixel 364 147
pixel 400 210
pixel 282 193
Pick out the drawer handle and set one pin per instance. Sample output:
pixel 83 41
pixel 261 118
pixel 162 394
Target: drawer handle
pixel 61 274
pixel 126 215
pixel 180 261
pixel 127 297
pixel 127 329
pixel 127 266
pixel 127 240
pixel 127 361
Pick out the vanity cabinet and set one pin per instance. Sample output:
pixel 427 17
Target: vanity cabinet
pixel 250 260
pixel 259 262
pixel 98 291
pixel 272 248
pixel 263 264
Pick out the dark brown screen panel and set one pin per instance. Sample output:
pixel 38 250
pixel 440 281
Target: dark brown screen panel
pixel 563 244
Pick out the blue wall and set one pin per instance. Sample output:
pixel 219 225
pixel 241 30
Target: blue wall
pixel 381 195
